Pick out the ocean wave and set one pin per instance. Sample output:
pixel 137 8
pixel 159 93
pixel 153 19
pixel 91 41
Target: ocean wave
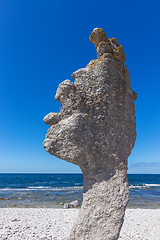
pixel 143 186
pixel 15 189
pixel 41 188
pixel 78 184
pixel 135 187
pixel 38 187
pixel 55 188
pixel 151 185
pixel 80 187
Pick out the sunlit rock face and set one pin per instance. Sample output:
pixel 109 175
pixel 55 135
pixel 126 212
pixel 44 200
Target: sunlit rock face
pixel 96 130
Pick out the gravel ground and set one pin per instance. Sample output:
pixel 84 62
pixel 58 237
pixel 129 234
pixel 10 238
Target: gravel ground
pixel 50 224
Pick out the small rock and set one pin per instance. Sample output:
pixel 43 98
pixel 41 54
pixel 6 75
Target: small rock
pixel 15 220
pixel 71 204
pixel 61 204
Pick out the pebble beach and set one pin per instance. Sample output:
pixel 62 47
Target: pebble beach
pixel 56 224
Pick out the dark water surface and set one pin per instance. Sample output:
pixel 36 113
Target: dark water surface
pixel 48 190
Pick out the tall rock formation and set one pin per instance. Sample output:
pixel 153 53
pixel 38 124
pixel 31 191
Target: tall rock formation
pixel 96 130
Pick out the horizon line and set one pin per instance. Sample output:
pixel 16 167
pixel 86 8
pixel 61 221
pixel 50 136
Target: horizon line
pixel 66 173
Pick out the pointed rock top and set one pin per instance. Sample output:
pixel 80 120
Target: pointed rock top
pixel 98 35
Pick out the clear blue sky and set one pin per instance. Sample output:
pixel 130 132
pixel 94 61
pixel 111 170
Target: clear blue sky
pixel 42 43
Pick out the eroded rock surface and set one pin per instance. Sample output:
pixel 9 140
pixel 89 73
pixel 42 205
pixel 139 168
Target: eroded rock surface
pixel 96 130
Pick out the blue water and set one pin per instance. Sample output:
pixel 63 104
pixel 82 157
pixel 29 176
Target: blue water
pixel 48 190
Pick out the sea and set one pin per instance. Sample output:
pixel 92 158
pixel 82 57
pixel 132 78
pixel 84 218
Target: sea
pixel 53 190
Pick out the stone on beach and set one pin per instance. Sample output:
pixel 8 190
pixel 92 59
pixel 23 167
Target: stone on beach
pixel 96 130
pixel 71 204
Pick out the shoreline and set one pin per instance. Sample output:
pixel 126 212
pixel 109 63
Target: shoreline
pixel 48 190
pixel 56 223
pixel 76 208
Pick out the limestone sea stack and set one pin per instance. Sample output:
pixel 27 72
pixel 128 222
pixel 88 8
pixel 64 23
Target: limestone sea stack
pixel 96 130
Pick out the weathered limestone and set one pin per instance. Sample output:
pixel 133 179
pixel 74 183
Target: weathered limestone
pixel 96 130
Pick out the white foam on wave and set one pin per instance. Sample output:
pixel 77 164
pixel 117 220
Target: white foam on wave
pixel 15 189
pixel 145 185
pixel 41 188
pixel 151 185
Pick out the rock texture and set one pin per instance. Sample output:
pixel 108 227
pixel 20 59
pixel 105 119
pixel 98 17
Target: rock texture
pixel 96 130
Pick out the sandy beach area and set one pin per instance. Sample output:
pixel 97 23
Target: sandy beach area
pixel 49 224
